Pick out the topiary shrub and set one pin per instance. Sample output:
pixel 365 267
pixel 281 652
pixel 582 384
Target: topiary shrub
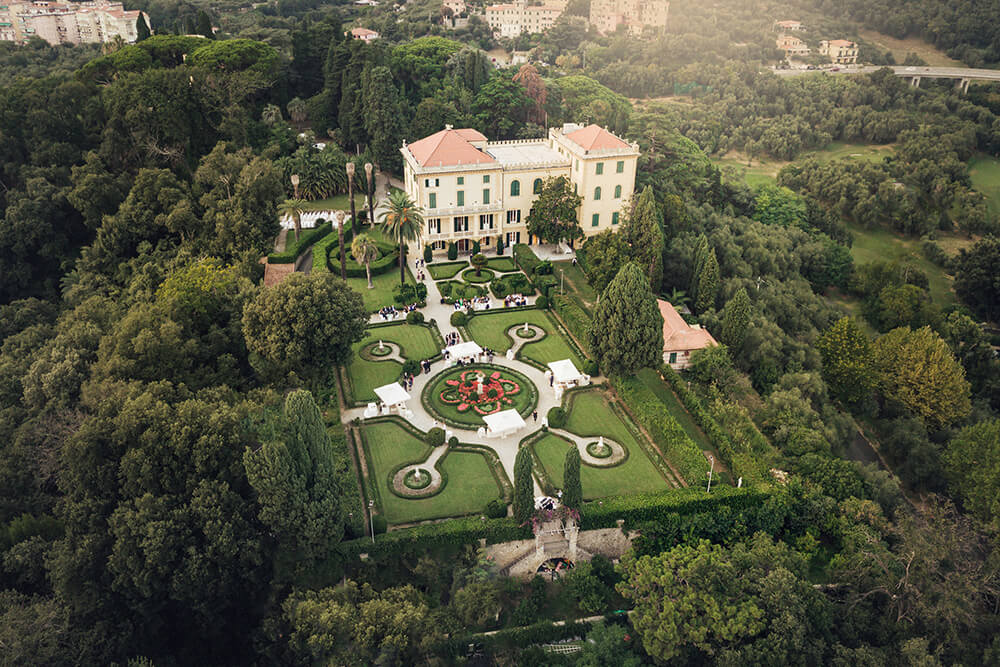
pixel 434 437
pixel 421 290
pixel 476 248
pixel 428 254
pixel 590 367
pixel 453 441
pixel 445 288
pixel 452 251
pixel 544 268
pixel 415 317
pixel 495 509
pixel 557 417
pixel 459 319
pixel 499 245
pixel 542 302
pixel 411 367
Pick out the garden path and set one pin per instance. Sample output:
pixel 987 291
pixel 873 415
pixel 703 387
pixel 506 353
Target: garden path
pixel 429 465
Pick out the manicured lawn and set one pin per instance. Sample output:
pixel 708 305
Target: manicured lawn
pixel 590 415
pixel 502 264
pixel 469 276
pixel 985 174
pixel 881 244
pixel 652 379
pixel 446 270
pixel 450 400
pixel 338 203
pixel 574 283
pixel 417 343
pixel 460 290
pixel 490 331
pixel 470 484
pixel 381 295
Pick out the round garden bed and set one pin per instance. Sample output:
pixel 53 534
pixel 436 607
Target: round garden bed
pixel 417 479
pixel 377 351
pixel 460 397
pixel 599 452
pixel 469 276
pixel 521 332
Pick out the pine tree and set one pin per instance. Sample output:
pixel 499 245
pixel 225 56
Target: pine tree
pixel 644 235
pixel 204 27
pixel 572 490
pixel 524 486
pixel 736 320
pixel 700 254
pixel 141 28
pixel 627 332
pixel 708 283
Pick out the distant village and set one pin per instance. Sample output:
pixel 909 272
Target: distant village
pixel 838 51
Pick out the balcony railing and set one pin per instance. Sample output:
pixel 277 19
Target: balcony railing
pixel 462 210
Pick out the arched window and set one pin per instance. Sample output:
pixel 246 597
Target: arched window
pixel 515 188
pixel 597 193
pixel 537 186
pixel 618 192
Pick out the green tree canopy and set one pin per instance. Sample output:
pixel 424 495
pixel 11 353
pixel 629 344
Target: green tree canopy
pixel 977 280
pixel 644 234
pixel 735 320
pixel 606 253
pixel 626 334
pixel 972 463
pixel 572 490
pixel 848 364
pixel 524 486
pixel 553 217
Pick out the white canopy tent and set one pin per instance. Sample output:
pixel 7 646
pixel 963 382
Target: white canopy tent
pixel 464 350
pixel 564 372
pixel 504 422
pixel 392 394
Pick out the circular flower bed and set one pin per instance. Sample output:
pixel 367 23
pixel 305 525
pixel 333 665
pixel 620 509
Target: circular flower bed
pixel 524 333
pixel 469 276
pixel 377 351
pixel 412 481
pixel 463 395
pixel 597 451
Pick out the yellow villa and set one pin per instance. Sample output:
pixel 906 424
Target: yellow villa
pixel 472 189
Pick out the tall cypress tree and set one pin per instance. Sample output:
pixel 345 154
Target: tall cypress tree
pixel 644 234
pixel 204 26
pixel 141 28
pixel 708 283
pixel 736 320
pixel 627 331
pixel 698 261
pixel 383 114
pixel 524 487
pixel 572 489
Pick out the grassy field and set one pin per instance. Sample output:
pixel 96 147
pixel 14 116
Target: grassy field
pixel 338 203
pixel 502 264
pixel 490 331
pixel 900 47
pixel 881 244
pixel 470 484
pixel 765 170
pixel 985 174
pixel 381 295
pixel 445 399
pixel 417 342
pixel 590 414
pixel 445 270
pixel 574 283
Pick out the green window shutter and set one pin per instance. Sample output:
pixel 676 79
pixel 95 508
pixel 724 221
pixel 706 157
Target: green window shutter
pixel 432 200
pixel 618 192
pixel 486 196
pixel 595 220
pixel 461 180
pixel 597 193
pixel 600 168
pixel 486 178
pixel 614 218
pixel 537 186
pixel 515 188
pixel 620 168
pixel 673 357
pixel 461 198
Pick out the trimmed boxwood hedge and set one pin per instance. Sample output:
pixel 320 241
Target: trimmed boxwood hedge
pixel 673 440
pixel 485 276
pixel 641 508
pixel 507 638
pixel 573 317
pixel 417 541
pixel 296 248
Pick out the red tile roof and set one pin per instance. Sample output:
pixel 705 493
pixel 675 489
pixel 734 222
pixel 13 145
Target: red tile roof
pixel 595 138
pixel 678 335
pixel 449 148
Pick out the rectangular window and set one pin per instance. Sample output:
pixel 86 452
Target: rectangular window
pixel 461 223
pixel 673 357
pixel 432 200
pixel 514 217
pixel 486 178
pixel 595 220
pixel 600 168
pixel 614 218
pixel 461 180
pixel 486 196
pixel 461 198
pixel 620 168
pixel 427 182
pixel 437 182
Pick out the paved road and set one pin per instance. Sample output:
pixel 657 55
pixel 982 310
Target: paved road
pixel 908 72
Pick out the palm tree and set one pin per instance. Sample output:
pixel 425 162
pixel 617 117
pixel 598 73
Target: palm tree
pixel 370 189
pixel 340 236
pixel 402 221
pixel 293 208
pixel 297 109
pixel 679 298
pixel 365 252
pixel 349 168
pixel 271 114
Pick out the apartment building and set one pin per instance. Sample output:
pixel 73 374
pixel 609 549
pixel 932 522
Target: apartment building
pixel 68 23
pixel 472 189
pixel 510 20
pixel 839 51
pixel 792 46
pixel 636 15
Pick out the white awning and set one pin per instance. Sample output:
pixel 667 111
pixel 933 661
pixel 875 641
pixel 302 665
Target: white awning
pixel 505 421
pixel 564 371
pixel 392 394
pixel 460 351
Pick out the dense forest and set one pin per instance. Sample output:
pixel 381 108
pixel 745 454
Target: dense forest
pixel 175 483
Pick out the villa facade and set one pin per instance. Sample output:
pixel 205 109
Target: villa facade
pixel 472 189
pixel 68 22
pixel 839 51
pixel 512 19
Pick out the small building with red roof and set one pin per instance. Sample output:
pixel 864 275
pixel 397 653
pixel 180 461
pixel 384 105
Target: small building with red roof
pixel 473 189
pixel 681 339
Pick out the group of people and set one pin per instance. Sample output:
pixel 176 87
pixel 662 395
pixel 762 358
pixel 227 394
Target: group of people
pixel 391 312
pixel 426 365
pixel 419 265
pixel 451 339
pixel 512 300
pixel 407 381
